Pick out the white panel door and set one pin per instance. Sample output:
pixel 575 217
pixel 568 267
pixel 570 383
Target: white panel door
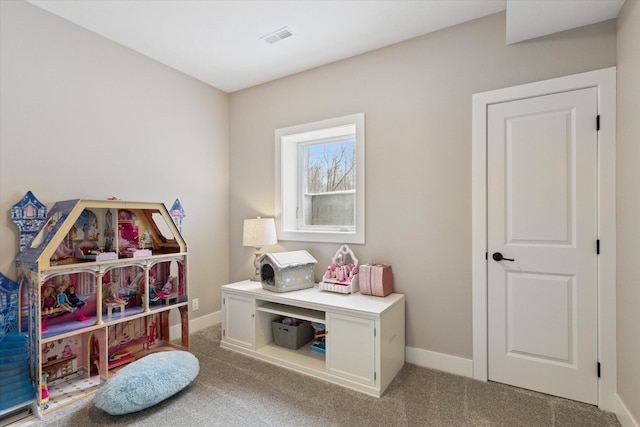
pixel 350 348
pixel 542 219
pixel 238 325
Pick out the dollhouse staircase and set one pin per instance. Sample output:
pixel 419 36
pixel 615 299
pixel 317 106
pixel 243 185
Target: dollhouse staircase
pixel 17 397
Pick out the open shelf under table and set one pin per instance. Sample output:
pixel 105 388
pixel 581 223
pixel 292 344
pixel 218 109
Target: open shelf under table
pixel 303 356
pixel 293 311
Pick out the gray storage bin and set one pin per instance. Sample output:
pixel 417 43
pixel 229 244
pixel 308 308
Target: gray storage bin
pixel 292 337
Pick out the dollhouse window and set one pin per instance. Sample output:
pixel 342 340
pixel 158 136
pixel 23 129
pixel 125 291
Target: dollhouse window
pixel 320 181
pixel 162 226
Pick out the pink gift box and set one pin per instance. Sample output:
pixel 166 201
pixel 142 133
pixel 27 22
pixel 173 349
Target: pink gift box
pixel 376 280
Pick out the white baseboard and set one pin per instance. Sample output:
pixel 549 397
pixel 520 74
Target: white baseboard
pixel 198 323
pixel 440 361
pixel 623 414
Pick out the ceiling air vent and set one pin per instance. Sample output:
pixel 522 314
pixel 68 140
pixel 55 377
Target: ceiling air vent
pixel 277 35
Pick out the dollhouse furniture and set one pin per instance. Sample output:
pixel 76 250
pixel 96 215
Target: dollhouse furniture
pixel 167 293
pixel 168 298
pixel 58 368
pixel 127 352
pixel 110 306
pixel 364 341
pixel 80 345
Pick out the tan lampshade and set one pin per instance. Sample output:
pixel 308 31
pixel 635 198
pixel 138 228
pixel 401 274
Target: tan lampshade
pixel 259 232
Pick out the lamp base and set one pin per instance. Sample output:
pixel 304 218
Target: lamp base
pixel 256 276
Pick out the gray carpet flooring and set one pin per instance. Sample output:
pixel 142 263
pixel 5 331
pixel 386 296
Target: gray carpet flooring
pixel 235 390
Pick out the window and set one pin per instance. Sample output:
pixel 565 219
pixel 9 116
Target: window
pixel 320 181
pixel 161 225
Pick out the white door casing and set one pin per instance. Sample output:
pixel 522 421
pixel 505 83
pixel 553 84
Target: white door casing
pixel 603 81
pixel 542 297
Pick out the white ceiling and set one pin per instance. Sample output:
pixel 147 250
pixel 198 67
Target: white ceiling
pixel 219 41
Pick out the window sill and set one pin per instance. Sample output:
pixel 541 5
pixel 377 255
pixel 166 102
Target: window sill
pixel 322 236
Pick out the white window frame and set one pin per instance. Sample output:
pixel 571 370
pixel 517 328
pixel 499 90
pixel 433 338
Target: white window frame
pixel 288 183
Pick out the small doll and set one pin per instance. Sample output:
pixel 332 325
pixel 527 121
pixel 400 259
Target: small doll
pixel 63 300
pixel 48 300
pixel 166 289
pixel 152 292
pixel 74 301
pixel 111 295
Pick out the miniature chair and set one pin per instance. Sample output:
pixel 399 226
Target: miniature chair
pixel 167 298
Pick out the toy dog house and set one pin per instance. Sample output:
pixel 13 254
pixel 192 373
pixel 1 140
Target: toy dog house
pixel 286 271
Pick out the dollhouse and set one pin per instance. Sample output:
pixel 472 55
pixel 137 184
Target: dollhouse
pixel 88 281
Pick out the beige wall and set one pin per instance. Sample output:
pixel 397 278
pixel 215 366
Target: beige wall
pixel 83 117
pixel 417 99
pixel 628 207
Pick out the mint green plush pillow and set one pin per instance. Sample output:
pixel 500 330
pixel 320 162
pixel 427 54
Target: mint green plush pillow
pixel 147 381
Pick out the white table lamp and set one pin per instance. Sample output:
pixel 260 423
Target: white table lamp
pixel 259 232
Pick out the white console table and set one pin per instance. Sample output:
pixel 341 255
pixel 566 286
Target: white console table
pixel 365 334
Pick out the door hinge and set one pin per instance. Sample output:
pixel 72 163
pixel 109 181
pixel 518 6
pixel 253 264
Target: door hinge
pixel 598 247
pixel 374 332
pixel 223 300
pixel 598 369
pixel 223 332
pixel 486 255
pixel 374 376
pixel 598 122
